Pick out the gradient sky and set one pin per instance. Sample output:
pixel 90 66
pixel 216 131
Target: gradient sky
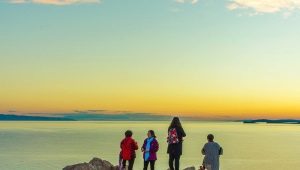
pixel 211 58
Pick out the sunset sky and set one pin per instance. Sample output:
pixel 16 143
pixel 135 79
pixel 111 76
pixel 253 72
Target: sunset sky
pixel 208 58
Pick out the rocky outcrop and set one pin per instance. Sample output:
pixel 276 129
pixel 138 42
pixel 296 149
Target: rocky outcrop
pixel 99 164
pixel 94 164
pixel 190 168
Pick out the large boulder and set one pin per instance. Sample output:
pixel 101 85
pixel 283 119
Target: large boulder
pixel 99 164
pixel 81 166
pixel 94 164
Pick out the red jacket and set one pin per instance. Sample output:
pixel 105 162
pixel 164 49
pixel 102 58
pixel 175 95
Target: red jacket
pixel 128 148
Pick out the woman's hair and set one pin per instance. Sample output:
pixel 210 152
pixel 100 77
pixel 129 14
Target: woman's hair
pixel 210 137
pixel 175 123
pixel 128 133
pixel 152 133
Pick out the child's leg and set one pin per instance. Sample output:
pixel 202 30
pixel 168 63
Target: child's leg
pixel 177 158
pixel 152 163
pixel 131 162
pixel 124 164
pixel 146 163
pixel 171 161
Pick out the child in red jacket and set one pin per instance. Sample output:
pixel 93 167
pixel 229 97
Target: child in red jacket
pixel 128 148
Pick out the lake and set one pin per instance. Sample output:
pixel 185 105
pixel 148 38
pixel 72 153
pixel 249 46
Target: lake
pixel 53 145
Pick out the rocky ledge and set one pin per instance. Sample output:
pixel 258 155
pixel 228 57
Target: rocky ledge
pixel 99 164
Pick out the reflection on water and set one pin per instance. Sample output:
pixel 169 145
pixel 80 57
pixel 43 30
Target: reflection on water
pixel 52 145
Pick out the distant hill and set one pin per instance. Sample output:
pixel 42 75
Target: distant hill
pixel 116 117
pixel 86 117
pixel 83 116
pixel 7 117
pixel 283 121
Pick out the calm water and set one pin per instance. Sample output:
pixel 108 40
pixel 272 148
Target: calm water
pixel 52 145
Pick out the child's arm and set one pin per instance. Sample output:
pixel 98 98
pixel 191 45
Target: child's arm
pixel 144 146
pixel 183 133
pixel 155 147
pixel 221 151
pixel 203 151
pixel 135 145
pixel 121 144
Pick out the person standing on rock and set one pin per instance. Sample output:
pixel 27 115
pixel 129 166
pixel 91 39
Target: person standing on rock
pixel 150 147
pixel 212 152
pixel 175 139
pixel 128 147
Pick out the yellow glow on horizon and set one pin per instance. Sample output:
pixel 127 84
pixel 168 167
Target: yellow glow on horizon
pixel 208 103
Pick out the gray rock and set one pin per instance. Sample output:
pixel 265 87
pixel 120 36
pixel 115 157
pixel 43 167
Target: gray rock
pixel 94 164
pixel 81 166
pixel 190 168
pixel 99 164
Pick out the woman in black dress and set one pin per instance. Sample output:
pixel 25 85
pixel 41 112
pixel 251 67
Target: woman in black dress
pixel 175 139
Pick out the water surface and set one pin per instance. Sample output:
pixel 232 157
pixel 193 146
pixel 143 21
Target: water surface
pixel 52 145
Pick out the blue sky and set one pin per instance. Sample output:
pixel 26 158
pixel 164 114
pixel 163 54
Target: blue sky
pixel 190 56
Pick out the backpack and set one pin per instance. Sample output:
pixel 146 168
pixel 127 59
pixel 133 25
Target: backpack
pixel 172 136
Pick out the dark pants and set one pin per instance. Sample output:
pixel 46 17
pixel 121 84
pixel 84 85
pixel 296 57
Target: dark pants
pixel 173 158
pixel 146 163
pixel 130 164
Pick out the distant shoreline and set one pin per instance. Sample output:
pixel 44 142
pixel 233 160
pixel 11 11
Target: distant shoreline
pixel 130 117
pixel 101 117
pixel 7 117
pixel 278 121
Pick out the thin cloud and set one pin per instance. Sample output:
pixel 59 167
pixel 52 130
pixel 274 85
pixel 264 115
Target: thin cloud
pixel 12 111
pixel 105 111
pixel 187 1
pixel 54 2
pixel 265 6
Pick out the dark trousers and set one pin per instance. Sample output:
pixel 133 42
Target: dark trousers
pixel 130 164
pixel 172 159
pixel 146 163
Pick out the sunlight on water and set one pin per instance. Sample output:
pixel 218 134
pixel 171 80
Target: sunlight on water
pixel 53 145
